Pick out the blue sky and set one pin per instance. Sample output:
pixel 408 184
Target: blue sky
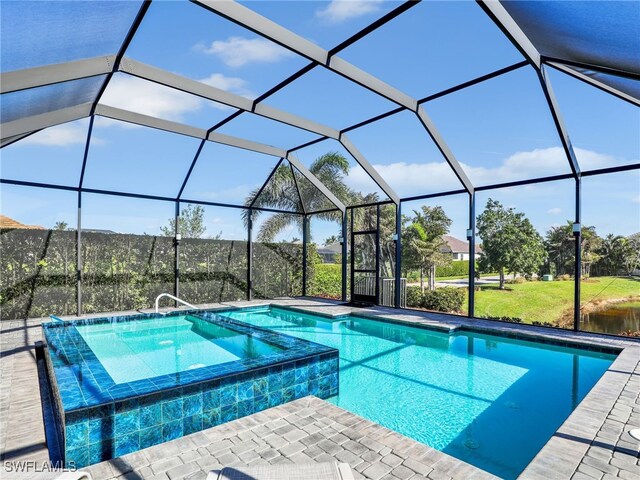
pixel 499 130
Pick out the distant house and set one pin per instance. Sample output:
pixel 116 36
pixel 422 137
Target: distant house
pixel 330 253
pixel 7 222
pixel 459 249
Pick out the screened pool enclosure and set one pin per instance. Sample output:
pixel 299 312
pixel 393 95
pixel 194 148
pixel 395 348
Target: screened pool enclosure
pixel 212 149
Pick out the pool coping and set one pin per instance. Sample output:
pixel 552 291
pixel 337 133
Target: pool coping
pixel 567 448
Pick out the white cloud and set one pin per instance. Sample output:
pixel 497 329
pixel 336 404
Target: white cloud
pixel 230 84
pixel 341 10
pixel 636 199
pixel 140 96
pixel 228 195
pixel 409 178
pixel 239 51
pixel 537 163
pixel 554 211
pixel 58 136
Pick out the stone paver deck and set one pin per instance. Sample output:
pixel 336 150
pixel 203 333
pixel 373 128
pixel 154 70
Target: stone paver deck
pixel 303 431
pixel 593 442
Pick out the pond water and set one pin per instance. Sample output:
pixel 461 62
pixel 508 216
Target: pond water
pixel 614 320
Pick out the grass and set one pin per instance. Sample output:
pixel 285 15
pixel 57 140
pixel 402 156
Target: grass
pixel 549 301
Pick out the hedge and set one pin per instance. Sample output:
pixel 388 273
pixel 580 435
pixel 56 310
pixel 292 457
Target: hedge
pixel 446 299
pixel 458 268
pixel 327 281
pixel 124 271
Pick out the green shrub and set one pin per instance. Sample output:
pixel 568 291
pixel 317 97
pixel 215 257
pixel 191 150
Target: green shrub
pixel 327 281
pixel 446 299
pixel 414 297
pixel 504 319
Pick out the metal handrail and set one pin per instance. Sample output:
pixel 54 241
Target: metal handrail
pixel 172 298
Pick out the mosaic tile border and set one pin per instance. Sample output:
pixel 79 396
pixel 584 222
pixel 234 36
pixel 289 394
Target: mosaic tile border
pixel 84 382
pixel 107 431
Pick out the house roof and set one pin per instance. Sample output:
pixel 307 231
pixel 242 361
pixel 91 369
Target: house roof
pixel 455 245
pixel 7 222
pixel 333 249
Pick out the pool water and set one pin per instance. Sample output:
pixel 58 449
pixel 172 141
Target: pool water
pixel 490 401
pixel 159 346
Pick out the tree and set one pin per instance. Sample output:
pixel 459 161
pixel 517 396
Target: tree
pixel 281 192
pixel 618 255
pixel 560 246
pixel 190 223
pixel 61 225
pixel 331 240
pixel 632 254
pixel 423 242
pixel 559 243
pixel 510 243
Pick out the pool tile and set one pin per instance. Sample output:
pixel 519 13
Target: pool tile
pixel 229 412
pixel 229 395
pixel 260 403
pixel 99 452
pixel 172 410
pixel 151 436
pixel 211 418
pixel 211 399
pixel 245 391
pixel 172 430
pixel 127 443
pixel 275 381
pixel 275 398
pixel 77 435
pixel 192 424
pixel 127 422
pixel 192 405
pixel 150 415
pixel 100 429
pixel 79 457
pixel 245 408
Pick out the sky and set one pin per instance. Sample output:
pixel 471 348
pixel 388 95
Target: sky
pixel 499 130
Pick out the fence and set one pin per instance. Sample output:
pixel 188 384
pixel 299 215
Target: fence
pixel 125 271
pixel 366 285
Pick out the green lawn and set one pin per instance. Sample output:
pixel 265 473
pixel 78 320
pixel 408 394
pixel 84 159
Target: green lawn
pixel 548 301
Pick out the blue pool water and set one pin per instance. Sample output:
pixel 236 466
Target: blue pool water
pixel 487 400
pixel 167 345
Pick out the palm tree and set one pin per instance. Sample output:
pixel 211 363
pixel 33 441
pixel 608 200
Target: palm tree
pixel 281 192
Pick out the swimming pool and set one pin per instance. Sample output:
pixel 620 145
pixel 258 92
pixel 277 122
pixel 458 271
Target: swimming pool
pixel 124 383
pixel 167 345
pixel 488 400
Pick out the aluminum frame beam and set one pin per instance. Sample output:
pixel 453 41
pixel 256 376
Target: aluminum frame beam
pixel 264 27
pixel 571 71
pixel 559 122
pixel 187 130
pixel 444 149
pixel 57 73
pixel 373 173
pixel 178 82
pixel 293 160
pixel 44 120
pixel 506 23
